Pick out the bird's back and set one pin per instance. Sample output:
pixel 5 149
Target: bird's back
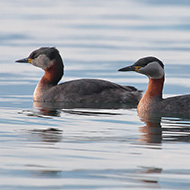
pixel 92 91
pixel 176 105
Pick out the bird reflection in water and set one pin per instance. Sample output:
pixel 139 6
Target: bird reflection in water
pixel 160 129
pixel 56 108
pixel 50 135
pixel 152 131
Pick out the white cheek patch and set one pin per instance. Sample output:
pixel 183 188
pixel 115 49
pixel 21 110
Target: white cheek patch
pixel 153 70
pixel 42 61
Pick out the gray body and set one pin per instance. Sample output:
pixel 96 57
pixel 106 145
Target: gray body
pixel 91 91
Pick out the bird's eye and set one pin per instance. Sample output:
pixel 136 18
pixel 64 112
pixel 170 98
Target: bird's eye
pixel 33 55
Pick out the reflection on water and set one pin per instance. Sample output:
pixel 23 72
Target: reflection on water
pixel 151 132
pixel 176 129
pixel 54 109
pixel 159 129
pixel 69 147
pixel 71 105
pixel 48 147
pixel 46 135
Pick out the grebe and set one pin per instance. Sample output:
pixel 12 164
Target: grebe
pixel 75 91
pixel 152 101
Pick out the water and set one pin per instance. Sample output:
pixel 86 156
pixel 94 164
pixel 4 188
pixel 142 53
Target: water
pixel 92 148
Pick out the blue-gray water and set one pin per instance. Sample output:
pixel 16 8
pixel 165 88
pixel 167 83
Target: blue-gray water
pixel 92 148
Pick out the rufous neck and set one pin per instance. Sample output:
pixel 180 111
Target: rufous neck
pixel 51 77
pixel 53 74
pixel 155 87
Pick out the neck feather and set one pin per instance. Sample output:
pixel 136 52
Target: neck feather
pixel 51 77
pixel 151 97
pixel 155 87
pixel 53 74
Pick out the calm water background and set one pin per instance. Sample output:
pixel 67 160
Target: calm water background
pixel 86 148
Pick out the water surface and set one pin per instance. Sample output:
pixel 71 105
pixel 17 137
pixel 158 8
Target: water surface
pixel 92 148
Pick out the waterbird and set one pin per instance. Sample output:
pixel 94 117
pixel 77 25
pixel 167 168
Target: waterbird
pixel 152 102
pixel 83 91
